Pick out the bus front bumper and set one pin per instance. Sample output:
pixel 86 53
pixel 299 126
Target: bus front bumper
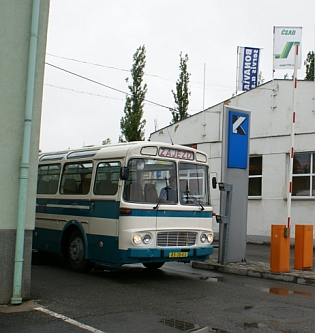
pixel 198 253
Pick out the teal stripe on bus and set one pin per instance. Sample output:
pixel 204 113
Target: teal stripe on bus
pixel 170 213
pixel 109 209
pixel 99 209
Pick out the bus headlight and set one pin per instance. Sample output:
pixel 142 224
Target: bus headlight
pixel 206 237
pixel 146 239
pixel 137 239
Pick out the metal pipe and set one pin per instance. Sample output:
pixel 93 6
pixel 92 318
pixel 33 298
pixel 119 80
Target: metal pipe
pixel 289 195
pixel 24 165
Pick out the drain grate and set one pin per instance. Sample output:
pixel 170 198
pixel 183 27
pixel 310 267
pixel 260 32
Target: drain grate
pixel 179 324
pixel 189 327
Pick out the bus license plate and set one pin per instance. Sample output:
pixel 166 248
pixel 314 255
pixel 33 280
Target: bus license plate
pixel 178 254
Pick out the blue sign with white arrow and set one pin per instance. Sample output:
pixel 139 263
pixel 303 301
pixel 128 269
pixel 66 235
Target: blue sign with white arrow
pixel 237 156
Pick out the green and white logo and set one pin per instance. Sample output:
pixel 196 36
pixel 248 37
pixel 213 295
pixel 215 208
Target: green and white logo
pixel 285 41
pixel 286 50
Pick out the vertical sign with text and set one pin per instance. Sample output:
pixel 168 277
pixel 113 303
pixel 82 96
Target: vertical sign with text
pixel 248 68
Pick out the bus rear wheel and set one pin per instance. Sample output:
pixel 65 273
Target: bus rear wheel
pixel 76 253
pixel 153 265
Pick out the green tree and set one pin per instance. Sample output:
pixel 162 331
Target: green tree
pixel 132 124
pixel 181 96
pixel 309 63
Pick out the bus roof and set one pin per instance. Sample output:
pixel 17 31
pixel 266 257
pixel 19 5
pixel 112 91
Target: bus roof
pixel 120 150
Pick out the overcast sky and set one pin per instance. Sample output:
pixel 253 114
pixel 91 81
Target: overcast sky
pixel 96 40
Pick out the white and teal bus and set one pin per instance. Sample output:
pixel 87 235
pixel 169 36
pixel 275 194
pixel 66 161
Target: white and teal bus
pixel 103 205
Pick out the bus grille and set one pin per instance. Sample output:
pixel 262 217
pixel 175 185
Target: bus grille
pixel 176 238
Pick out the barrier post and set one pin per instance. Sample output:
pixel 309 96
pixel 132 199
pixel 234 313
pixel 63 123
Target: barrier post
pixel 279 249
pixel 303 247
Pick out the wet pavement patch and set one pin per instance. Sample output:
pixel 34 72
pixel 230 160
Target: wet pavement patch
pixel 251 325
pixel 284 291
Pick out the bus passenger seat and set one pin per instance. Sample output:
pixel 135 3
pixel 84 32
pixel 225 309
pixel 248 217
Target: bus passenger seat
pixel 70 186
pixel 150 193
pixel 86 186
pixel 52 187
pixel 42 187
pixel 104 187
pixel 136 192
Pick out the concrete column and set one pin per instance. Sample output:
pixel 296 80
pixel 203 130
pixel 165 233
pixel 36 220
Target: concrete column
pixel 15 24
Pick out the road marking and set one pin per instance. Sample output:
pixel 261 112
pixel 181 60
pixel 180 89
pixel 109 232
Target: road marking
pixel 69 320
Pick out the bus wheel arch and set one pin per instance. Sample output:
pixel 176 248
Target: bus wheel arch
pixel 74 249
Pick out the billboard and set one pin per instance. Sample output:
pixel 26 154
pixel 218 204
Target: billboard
pixel 285 39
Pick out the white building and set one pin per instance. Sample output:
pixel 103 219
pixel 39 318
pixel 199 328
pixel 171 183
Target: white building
pixel 270 142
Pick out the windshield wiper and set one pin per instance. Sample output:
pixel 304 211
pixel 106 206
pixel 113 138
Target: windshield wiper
pixel 158 203
pixel 161 198
pixel 190 195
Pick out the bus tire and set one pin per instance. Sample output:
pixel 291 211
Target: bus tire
pixel 76 253
pixel 153 265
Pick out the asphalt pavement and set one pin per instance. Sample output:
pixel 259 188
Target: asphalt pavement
pixel 257 264
pixel 31 317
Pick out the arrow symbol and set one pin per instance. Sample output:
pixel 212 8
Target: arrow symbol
pixel 237 122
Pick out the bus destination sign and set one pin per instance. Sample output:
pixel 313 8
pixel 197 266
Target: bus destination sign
pixel 176 153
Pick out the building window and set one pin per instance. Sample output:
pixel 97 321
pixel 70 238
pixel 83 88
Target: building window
pixel 255 176
pixel 303 178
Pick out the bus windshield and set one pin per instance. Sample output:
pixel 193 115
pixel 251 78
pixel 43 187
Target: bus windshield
pixel 167 182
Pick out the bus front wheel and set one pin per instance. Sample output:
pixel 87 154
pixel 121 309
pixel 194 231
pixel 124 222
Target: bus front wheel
pixel 153 265
pixel 76 253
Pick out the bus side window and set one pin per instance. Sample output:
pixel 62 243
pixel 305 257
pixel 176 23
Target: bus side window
pixel 107 177
pixel 76 178
pixel 48 178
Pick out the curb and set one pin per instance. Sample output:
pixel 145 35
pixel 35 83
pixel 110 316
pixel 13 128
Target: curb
pixel 259 270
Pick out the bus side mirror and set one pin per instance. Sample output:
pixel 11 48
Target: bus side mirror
pixel 214 182
pixel 124 173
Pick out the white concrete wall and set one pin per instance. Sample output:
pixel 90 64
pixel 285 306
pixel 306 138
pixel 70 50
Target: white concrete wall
pixel 271 113
pixel 15 27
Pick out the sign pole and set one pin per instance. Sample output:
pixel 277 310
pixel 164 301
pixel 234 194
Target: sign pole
pixel 237 70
